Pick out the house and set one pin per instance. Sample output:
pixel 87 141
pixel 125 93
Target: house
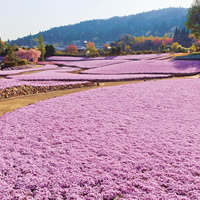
pixel 60 48
pixel 82 49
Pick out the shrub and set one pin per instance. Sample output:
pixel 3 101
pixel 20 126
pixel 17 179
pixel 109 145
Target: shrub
pixel 174 46
pixel 164 51
pixel 124 53
pixel 101 52
pixel 148 52
pixel 133 52
pixel 10 64
pixel 138 52
pixel 71 49
pixel 22 62
pixel 50 50
pixel 94 54
pixel 193 48
pixel 60 53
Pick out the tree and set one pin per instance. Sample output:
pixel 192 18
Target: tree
pixel 101 52
pixel 196 42
pixel 2 46
pixel 193 48
pixel 41 47
pixel 174 46
pixel 90 45
pixel 127 49
pixel 193 18
pixel 119 51
pixel 72 49
pixel 50 50
pixel 162 48
pixel 93 52
pixel 182 37
pixel 10 54
pixel 106 47
pixel 31 55
pixel 34 54
pixel 113 51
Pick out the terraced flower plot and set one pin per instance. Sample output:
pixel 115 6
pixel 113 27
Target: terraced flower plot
pixel 128 57
pixel 89 64
pixel 14 72
pixel 8 83
pixel 63 76
pixel 149 67
pixel 137 141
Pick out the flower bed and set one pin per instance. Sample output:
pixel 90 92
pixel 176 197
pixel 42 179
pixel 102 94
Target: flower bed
pixel 149 67
pixel 65 58
pixel 18 71
pixel 55 75
pixel 8 83
pixel 127 57
pixel 89 64
pixel 138 141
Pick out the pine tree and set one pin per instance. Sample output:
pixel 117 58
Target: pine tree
pixel 182 37
pixel 193 18
pixel 41 47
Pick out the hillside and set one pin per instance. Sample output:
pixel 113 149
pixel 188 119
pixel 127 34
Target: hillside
pixel 156 23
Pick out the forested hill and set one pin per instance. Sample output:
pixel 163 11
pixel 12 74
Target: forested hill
pixel 156 23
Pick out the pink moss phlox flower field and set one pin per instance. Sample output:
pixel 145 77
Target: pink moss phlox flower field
pixel 59 75
pixel 138 141
pixel 52 83
pixel 13 72
pixel 136 57
pixel 65 58
pixel 127 57
pixel 8 83
pixel 90 64
pixel 153 66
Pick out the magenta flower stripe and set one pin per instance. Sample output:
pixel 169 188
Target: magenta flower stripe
pixel 61 75
pixel 127 57
pixel 8 83
pixel 89 64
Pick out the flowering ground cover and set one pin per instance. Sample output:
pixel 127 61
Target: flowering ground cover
pixel 135 57
pixel 8 83
pixel 127 57
pixel 150 66
pixel 13 72
pixel 137 141
pixel 89 64
pixel 65 58
pixel 60 75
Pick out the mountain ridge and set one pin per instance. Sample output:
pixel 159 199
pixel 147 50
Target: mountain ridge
pixel 155 22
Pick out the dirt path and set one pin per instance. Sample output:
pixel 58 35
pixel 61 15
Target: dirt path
pixel 12 104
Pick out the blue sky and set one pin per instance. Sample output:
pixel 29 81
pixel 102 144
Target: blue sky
pixel 19 18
